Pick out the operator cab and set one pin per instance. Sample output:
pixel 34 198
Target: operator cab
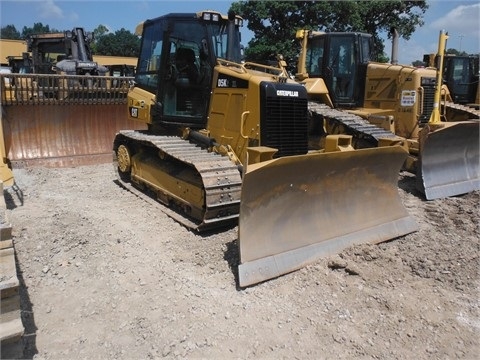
pixel 461 75
pixel 341 59
pixel 177 57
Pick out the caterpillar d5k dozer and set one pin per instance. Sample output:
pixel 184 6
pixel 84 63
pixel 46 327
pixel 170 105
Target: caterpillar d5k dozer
pixel 381 104
pixel 58 106
pixel 227 142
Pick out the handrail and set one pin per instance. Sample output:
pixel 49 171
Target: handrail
pixel 46 89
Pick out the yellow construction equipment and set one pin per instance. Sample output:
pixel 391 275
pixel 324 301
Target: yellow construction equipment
pixel 6 174
pixel 228 141
pixel 381 104
pixel 460 76
pixel 64 52
pixel 58 106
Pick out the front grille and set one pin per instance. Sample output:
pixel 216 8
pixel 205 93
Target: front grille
pixel 283 118
pixel 428 85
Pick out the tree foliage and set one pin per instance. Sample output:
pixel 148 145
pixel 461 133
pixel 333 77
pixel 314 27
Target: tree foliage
pixel 38 28
pixel 274 23
pixel 456 52
pixel 11 32
pixel 120 43
pixel 98 32
pixel 418 63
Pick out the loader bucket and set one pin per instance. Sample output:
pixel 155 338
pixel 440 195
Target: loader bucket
pixel 295 210
pixel 450 161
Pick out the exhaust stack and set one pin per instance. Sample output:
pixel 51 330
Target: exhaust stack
pixel 394 60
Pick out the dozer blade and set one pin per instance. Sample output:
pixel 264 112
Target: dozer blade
pixel 295 210
pixel 6 174
pixel 450 161
pixel 64 135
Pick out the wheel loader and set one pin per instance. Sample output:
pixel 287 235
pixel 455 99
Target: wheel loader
pixel 381 104
pixel 227 143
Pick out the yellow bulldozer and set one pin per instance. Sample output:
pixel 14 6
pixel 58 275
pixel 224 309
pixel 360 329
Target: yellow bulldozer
pixel 381 104
pixel 461 75
pixel 227 142
pixel 59 107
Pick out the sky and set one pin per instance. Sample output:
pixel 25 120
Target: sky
pixel 461 19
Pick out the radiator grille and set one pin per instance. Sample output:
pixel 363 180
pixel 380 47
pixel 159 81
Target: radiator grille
pixel 428 85
pixel 284 121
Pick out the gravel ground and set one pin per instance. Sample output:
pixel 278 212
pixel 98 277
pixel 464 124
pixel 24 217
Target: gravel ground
pixel 106 275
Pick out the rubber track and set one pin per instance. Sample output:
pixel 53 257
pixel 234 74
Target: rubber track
pixel 220 177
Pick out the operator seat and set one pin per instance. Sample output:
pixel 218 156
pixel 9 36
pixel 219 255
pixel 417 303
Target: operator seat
pixel 187 90
pixel 185 63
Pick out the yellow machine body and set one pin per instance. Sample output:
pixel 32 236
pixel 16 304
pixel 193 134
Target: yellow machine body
pixel 391 104
pixel 234 149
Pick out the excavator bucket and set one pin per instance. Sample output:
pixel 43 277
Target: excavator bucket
pixel 295 210
pixel 450 161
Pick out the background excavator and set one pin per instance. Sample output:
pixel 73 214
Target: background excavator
pixel 380 104
pixel 227 141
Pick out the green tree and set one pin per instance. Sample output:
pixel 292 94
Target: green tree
pixel 38 28
pixel 121 43
pixel 418 63
pixel 9 32
pixel 456 52
pixel 98 32
pixel 274 23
